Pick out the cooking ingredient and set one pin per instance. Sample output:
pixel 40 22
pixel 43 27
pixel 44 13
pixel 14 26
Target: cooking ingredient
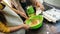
pixel 34 22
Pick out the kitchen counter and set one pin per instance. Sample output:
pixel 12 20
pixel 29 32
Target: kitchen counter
pixel 47 28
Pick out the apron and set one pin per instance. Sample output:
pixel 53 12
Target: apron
pixel 13 20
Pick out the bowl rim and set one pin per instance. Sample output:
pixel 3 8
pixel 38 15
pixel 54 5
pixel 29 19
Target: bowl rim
pixel 38 23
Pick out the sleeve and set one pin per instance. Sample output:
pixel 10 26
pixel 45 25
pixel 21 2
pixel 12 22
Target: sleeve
pixel 4 28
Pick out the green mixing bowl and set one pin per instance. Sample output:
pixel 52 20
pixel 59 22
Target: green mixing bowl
pixel 30 10
pixel 40 17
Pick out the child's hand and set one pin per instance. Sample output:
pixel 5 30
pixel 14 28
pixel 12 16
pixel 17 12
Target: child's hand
pixel 25 26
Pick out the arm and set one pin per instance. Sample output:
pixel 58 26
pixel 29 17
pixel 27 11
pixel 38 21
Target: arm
pixel 23 26
pixel 15 28
pixel 19 12
pixel 6 29
pixel 19 8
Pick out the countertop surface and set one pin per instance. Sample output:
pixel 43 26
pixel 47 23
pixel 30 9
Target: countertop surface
pixel 47 28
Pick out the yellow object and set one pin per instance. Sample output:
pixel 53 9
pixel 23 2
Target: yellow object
pixel 4 28
pixel 1 6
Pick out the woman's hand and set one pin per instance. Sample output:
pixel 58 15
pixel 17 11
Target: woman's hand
pixel 38 4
